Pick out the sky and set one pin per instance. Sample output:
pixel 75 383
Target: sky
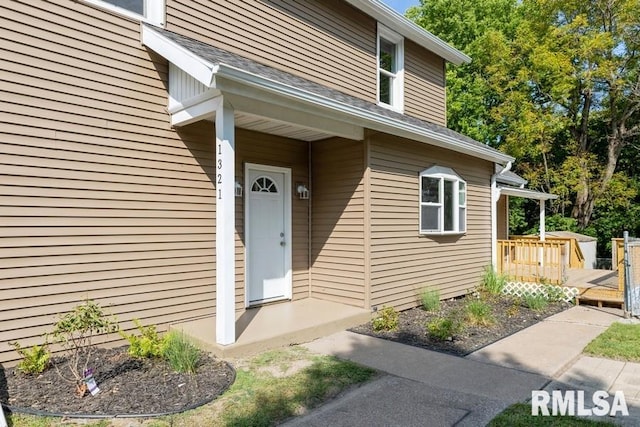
pixel 401 5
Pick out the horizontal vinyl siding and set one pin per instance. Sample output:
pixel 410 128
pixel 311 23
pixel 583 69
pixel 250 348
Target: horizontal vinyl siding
pixel 328 42
pixel 403 261
pixel 99 197
pixel 270 150
pixel 425 95
pixel 338 264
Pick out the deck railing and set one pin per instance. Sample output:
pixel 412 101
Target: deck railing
pixel 529 260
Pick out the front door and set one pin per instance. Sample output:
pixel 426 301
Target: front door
pixel 268 233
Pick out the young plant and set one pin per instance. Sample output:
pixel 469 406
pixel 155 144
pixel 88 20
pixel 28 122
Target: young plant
pixel 34 360
pixel 181 354
pixel 146 345
pixel 387 320
pixel 535 302
pixel 492 282
pixel 479 313
pixel 75 332
pixel 430 299
pixel 444 328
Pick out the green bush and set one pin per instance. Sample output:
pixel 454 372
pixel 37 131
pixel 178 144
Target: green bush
pixel 75 331
pixel 430 299
pixel 492 282
pixel 181 354
pixel 34 360
pixel 443 328
pixel 479 313
pixel 554 293
pixel 146 345
pixel 387 320
pixel 535 302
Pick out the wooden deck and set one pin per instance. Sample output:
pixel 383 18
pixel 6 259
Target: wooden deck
pixel 596 286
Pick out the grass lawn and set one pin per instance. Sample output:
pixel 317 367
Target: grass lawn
pixel 620 341
pixel 269 388
pixel 519 415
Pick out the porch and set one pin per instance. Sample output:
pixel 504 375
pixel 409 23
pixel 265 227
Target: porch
pixel 560 261
pixel 276 325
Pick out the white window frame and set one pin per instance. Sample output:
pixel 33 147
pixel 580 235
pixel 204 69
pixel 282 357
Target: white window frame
pixel 154 11
pixel 459 206
pixel 397 78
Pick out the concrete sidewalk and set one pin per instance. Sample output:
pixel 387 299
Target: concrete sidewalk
pixel 424 387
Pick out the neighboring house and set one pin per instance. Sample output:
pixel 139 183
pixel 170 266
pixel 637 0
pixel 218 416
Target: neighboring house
pixel 182 159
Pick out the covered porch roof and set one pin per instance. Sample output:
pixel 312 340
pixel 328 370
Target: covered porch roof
pixel 274 101
pixel 526 193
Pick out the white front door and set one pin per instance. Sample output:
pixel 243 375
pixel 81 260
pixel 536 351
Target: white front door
pixel 268 233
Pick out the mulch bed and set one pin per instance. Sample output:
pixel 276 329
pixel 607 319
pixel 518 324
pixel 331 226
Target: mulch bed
pixel 509 314
pixel 128 386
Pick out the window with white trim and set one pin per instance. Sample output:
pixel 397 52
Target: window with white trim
pixel 390 57
pixel 151 11
pixel 443 201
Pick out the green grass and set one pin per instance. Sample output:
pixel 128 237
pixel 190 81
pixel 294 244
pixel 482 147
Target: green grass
pixel 535 302
pixel 519 415
pixel 492 282
pixel 269 388
pixel 620 341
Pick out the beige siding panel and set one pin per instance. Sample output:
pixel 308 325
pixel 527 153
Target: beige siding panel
pixel 338 221
pixel 403 261
pixel 502 218
pixel 263 149
pixel 425 95
pixel 99 197
pixel 327 42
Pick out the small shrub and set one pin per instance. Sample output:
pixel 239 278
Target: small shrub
pixel 535 302
pixel 443 328
pixel 554 293
pixel 181 354
pixel 34 360
pixel 492 282
pixel 146 345
pixel 387 320
pixel 430 299
pixel 75 331
pixel 479 313
pixel 514 308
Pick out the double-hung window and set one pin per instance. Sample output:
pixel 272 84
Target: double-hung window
pixel 151 11
pixel 390 69
pixel 443 201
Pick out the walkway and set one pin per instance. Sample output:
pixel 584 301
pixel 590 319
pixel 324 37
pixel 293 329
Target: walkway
pixel 423 387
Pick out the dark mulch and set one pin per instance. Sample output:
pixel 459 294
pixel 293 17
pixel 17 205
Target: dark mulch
pixel 509 314
pixel 128 386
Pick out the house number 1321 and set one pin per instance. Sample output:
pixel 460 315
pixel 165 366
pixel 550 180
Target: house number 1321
pixel 219 163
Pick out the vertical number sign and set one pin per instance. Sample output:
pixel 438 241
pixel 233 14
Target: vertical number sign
pixel 219 167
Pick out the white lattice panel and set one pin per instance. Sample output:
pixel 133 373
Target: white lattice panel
pixel 521 289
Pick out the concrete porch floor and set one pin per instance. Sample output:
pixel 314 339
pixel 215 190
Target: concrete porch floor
pixel 276 325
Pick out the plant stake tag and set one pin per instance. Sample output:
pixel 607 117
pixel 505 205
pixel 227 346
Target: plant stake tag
pixel 90 382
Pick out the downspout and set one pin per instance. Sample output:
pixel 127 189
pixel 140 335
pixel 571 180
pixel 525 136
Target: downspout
pixel 495 195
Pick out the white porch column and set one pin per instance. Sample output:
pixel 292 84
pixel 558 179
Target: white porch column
pixel 495 195
pixel 225 226
pixel 542 224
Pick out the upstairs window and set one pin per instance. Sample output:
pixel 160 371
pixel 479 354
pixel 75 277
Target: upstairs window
pixel 390 69
pixel 443 202
pixel 151 11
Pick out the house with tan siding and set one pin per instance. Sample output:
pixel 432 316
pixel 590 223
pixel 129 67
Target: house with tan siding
pixel 183 160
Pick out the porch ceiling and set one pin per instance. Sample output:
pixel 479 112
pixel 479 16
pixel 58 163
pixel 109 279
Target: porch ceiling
pixel 279 128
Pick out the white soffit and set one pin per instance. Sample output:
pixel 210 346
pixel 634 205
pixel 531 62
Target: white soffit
pixel 527 194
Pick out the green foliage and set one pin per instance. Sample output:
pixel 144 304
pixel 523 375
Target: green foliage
pixel 181 354
pixel 553 293
pixel 387 320
pixel 75 331
pixel 430 299
pixel 620 341
pixel 492 282
pixel 535 302
pixel 519 415
pixel 34 360
pixel 479 313
pixel 147 344
pixel 444 328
